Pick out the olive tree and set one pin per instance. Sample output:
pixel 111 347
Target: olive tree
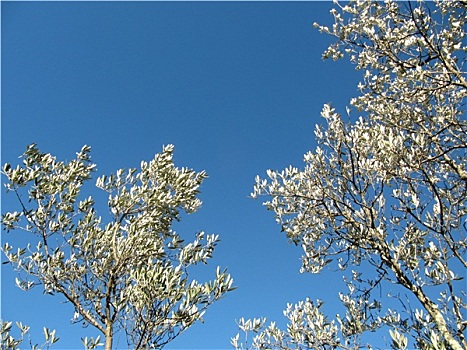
pixel 382 198
pixel 128 273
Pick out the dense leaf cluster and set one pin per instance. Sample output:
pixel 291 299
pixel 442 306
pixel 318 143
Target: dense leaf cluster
pixel 129 274
pixel 383 198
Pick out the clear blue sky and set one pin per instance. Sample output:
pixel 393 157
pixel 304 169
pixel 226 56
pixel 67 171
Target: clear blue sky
pixel 237 87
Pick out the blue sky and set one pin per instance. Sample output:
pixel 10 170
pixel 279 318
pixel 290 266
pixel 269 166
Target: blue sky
pixel 237 87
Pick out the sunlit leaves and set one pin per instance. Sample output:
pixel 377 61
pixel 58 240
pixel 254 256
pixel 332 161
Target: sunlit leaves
pixel 388 190
pixel 128 274
pixel 307 328
pixel 91 343
pixel 9 342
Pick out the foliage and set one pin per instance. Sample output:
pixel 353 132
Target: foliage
pixel 129 274
pixel 307 327
pixel 383 199
pixel 11 343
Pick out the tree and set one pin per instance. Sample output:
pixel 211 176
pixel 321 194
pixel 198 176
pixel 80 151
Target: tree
pixel 383 198
pixel 130 274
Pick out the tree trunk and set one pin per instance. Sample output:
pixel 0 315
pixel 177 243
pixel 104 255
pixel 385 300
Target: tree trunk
pixel 108 337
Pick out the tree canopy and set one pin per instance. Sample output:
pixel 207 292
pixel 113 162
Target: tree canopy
pixel 129 274
pixel 383 196
pixel 381 201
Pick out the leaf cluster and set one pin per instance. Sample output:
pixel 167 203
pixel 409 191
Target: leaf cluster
pixel 383 198
pixel 128 274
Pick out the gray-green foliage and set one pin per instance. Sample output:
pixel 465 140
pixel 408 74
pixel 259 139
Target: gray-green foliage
pixel 383 198
pixel 130 273
pixel 9 342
